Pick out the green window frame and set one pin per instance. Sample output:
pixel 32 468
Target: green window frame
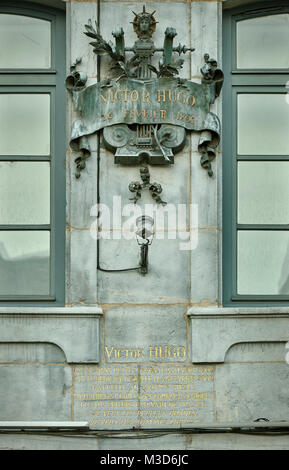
pixel 49 81
pixel 244 81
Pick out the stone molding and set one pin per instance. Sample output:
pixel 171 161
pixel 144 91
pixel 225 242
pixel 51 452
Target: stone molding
pixel 75 330
pixel 215 330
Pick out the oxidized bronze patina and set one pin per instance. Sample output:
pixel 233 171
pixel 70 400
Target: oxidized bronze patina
pixel 145 111
pixel 155 189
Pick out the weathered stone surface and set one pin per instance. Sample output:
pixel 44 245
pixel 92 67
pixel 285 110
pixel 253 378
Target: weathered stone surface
pixel 81 280
pixel 35 393
pixel 130 396
pixel 204 32
pixel 144 327
pixel 77 334
pixel 256 352
pixel 83 274
pixel 82 195
pixel 175 180
pixel 204 265
pixel 79 43
pixel 204 192
pixel 30 352
pixel 163 254
pixel 246 392
pixel 164 257
pixel 231 329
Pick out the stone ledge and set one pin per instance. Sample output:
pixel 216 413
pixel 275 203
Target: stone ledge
pixel 71 311
pixel 215 330
pixel 74 330
pixel 39 425
pixel 237 311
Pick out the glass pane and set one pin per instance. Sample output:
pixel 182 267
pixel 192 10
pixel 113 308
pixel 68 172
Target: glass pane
pixel 24 193
pixel 263 42
pixel 24 124
pixel 263 262
pixel 263 123
pixel 24 263
pixel 263 192
pixel 24 42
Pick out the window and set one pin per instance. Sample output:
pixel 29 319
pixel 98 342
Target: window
pixel 32 155
pixel 256 156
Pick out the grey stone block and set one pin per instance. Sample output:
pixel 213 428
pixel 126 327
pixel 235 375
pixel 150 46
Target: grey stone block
pixel 204 32
pixel 214 333
pixel 164 257
pixel 30 352
pixel 144 396
pixel 204 268
pixel 246 392
pixel 83 274
pixel 80 12
pixel 256 352
pixel 174 179
pixel 144 327
pixel 83 192
pixel 77 334
pixel 35 392
pixel 204 193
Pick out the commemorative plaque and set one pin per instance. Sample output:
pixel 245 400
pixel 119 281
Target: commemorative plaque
pixel 143 396
pixel 144 110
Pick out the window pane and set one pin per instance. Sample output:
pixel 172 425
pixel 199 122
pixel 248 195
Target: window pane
pixel 263 42
pixel 24 261
pixel 24 193
pixel 263 262
pixel 24 42
pixel 263 123
pixel 263 192
pixel 24 124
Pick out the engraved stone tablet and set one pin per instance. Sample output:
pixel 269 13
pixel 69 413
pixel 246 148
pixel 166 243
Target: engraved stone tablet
pixel 143 396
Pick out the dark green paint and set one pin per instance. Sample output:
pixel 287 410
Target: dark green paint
pixel 236 81
pixel 132 101
pixel 47 81
pixel 134 97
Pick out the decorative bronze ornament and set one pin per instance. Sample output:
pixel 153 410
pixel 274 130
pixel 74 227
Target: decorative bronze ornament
pixel 154 188
pixel 144 117
pixel 144 24
pixel 76 80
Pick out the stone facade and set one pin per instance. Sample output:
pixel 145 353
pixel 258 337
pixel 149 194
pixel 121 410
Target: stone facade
pixel 144 352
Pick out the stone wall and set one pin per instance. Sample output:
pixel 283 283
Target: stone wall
pixel 145 352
